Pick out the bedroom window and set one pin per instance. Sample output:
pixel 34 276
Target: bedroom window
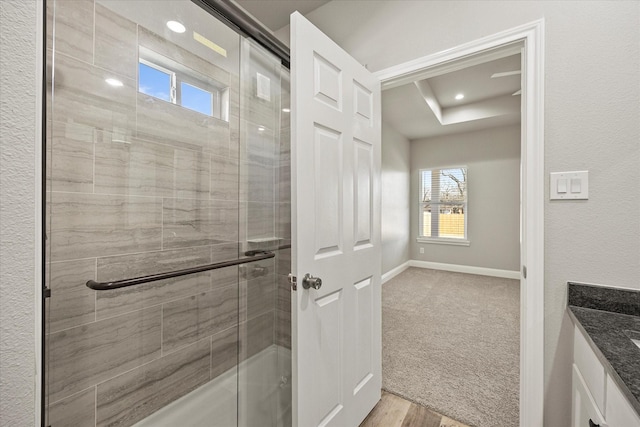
pixel 443 205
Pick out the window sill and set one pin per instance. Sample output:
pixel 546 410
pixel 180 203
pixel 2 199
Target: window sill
pixel 444 241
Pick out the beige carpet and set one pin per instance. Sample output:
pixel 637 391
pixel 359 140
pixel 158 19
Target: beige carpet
pixel 450 341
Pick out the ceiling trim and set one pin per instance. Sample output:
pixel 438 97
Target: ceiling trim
pixel 493 107
pixel 430 98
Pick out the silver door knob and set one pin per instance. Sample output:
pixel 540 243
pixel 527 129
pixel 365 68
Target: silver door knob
pixel 311 282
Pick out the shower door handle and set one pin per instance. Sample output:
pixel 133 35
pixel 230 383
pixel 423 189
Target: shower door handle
pixel 311 282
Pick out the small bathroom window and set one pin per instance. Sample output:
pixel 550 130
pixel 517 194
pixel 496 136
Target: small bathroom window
pixel 170 81
pixel 196 99
pixel 154 81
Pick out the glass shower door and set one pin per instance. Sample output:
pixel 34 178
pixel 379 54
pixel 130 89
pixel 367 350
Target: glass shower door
pixel 264 371
pixel 143 126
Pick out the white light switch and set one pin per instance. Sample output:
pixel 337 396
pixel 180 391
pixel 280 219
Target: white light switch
pixel 569 185
pixel 562 185
pixel 575 185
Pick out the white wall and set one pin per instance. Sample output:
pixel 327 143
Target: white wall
pixel 492 157
pixel 395 198
pixel 592 105
pixel 18 205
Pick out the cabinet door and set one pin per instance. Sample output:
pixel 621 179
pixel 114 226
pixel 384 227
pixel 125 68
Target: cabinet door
pixel 591 370
pixel 584 408
pixel 620 413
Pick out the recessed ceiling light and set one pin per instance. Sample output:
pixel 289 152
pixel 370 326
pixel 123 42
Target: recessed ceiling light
pixel 114 82
pixel 286 110
pixel 176 27
pixel 459 96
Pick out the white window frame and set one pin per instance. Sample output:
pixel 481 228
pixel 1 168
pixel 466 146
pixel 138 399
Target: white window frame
pixel 437 239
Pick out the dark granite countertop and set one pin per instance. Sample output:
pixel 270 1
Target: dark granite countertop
pixel 609 318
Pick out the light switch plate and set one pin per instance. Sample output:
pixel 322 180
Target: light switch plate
pixel 578 188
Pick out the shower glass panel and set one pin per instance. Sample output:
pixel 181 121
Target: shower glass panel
pixel 167 149
pixel 264 375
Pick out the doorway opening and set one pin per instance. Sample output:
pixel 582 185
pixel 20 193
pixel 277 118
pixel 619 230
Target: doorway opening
pixel 528 39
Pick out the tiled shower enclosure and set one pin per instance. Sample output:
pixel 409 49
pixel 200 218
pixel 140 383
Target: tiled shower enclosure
pixel 166 148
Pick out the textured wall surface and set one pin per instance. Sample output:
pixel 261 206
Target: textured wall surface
pixel 395 198
pixel 492 157
pixel 17 211
pixel 592 110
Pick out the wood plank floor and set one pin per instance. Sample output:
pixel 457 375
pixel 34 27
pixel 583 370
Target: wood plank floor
pixel 394 411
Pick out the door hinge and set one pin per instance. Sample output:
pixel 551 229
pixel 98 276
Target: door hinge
pixel 46 293
pixel 294 282
pixel 524 271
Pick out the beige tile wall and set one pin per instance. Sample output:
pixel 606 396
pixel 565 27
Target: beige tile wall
pixel 138 186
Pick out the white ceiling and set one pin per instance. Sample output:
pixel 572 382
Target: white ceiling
pixel 476 82
pixel 488 102
pixel 275 13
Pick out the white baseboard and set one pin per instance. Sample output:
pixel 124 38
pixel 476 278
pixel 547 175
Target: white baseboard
pixel 395 271
pixel 494 272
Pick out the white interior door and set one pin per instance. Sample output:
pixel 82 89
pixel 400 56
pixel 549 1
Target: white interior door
pixel 336 329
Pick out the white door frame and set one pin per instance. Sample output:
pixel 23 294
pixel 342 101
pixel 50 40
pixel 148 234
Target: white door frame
pixel 531 35
pixel 40 99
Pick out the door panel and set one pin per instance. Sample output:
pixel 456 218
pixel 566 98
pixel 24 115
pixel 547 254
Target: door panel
pixel 327 82
pixel 327 145
pixel 364 317
pixel 336 329
pixel 329 372
pixel 363 197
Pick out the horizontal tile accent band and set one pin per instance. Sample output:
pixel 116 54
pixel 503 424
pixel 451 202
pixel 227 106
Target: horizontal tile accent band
pixel 104 286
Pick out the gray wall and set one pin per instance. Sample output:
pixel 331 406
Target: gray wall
pixel 18 212
pixel 592 102
pixel 395 198
pixel 492 157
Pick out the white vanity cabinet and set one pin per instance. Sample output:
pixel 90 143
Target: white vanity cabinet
pixel 619 411
pixel 588 385
pixel 585 412
pixel 596 399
